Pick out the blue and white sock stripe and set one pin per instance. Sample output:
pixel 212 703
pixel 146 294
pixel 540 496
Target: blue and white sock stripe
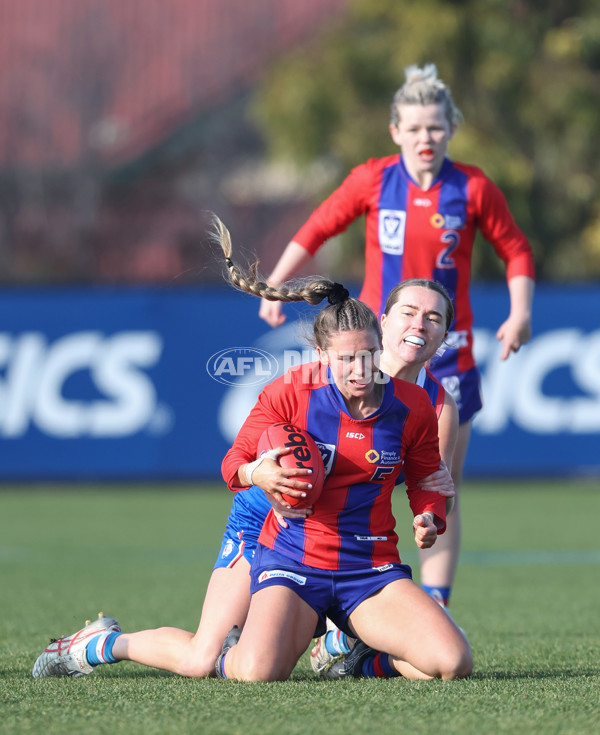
pixel 440 594
pixel 336 642
pixel 99 649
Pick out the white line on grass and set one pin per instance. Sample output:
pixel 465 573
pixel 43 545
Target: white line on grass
pixel 541 557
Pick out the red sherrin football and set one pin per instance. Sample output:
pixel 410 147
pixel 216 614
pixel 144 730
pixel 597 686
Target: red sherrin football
pixel 305 454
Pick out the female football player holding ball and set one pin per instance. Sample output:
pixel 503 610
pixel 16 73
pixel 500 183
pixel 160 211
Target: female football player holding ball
pixel 342 561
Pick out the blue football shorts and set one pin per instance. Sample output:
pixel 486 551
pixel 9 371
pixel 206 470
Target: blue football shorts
pixel 245 521
pixel 331 594
pixel 465 388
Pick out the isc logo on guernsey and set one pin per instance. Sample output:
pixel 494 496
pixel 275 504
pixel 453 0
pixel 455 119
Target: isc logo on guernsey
pixel 82 384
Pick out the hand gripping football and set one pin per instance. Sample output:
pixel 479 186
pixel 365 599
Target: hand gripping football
pixel 305 454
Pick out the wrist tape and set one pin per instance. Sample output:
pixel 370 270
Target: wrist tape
pixel 251 466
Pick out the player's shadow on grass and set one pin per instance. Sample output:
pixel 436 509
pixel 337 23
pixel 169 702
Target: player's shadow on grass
pixel 119 672
pixel 132 672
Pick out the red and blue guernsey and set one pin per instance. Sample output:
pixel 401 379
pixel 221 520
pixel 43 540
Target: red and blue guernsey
pixel 352 524
pixel 416 233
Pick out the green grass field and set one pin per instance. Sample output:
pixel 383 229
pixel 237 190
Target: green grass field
pixel 527 594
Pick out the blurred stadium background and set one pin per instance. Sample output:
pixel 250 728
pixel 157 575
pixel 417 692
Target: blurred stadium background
pixel 123 356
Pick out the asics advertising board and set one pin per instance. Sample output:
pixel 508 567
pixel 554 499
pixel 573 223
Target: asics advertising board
pixel 154 384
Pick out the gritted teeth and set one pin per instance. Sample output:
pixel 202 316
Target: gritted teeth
pixel 412 339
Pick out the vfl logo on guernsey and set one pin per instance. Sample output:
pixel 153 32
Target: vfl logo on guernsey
pixel 275 573
pixel 392 223
pixel 327 455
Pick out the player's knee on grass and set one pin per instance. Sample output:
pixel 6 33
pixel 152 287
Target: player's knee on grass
pixel 252 666
pixel 197 669
pixel 198 664
pixel 456 664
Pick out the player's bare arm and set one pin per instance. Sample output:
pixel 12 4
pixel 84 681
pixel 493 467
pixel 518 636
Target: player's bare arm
pixel 290 262
pixel 516 330
pixel 441 481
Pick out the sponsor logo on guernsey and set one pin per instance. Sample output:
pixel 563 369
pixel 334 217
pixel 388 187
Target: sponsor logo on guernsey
pixel 354 435
pixel 275 573
pixel 392 223
pixel 447 221
pixel 372 456
pixel 371 538
pixel 388 457
pixel 422 202
pixel 384 455
pixel 383 568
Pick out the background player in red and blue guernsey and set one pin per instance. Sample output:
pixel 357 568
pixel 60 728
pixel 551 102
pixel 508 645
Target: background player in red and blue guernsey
pixel 421 212
pixel 342 561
